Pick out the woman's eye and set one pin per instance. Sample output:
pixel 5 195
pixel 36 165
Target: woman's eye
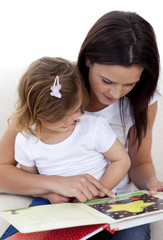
pixel 130 84
pixel 105 81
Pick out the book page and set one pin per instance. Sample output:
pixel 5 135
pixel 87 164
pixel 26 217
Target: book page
pixel 47 217
pixel 129 207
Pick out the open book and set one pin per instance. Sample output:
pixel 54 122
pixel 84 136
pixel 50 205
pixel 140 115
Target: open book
pixel 125 211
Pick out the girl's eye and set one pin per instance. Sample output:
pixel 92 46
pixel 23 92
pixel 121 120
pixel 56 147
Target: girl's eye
pixel 77 111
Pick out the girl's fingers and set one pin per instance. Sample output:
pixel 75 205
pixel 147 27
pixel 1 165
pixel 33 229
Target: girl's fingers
pixel 99 186
pixel 111 195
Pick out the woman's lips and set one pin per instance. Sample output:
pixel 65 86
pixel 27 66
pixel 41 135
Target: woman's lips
pixel 66 126
pixel 110 99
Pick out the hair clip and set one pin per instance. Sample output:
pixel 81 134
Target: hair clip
pixel 56 88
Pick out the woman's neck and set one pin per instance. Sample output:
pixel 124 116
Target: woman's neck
pixel 94 105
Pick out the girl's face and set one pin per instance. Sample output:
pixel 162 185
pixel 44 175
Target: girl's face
pixel 108 83
pixel 66 123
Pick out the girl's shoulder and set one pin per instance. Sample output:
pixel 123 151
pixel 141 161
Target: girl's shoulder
pixel 89 118
pixel 25 138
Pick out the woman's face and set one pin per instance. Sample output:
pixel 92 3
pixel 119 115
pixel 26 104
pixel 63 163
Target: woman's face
pixel 108 83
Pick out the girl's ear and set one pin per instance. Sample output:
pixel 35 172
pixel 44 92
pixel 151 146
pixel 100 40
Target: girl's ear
pixel 87 62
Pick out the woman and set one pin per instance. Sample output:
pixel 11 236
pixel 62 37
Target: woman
pixel 119 61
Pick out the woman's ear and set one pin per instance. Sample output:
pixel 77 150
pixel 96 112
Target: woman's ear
pixel 87 62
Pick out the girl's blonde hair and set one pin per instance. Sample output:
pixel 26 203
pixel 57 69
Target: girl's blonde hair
pixel 35 102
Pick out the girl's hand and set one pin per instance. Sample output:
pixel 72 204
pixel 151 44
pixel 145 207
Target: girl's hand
pixel 111 195
pixel 82 187
pixel 54 198
pixel 154 185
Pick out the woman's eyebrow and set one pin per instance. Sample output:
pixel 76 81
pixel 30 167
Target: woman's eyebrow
pixel 107 79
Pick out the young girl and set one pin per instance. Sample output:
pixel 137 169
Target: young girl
pixel 56 139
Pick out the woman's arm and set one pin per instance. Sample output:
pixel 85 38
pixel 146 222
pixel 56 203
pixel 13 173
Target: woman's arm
pixel 13 179
pixel 118 167
pixel 52 197
pixel 142 172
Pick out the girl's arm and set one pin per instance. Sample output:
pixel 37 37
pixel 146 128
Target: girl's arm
pixel 142 171
pixel 118 167
pixel 82 187
pixel 15 180
pixel 85 187
pixel 29 169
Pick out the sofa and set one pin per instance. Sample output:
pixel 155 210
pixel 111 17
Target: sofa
pixel 8 82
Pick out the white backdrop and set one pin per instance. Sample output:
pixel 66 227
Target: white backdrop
pixel 30 29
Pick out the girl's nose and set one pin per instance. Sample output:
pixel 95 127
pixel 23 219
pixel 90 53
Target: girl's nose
pixel 76 116
pixel 73 118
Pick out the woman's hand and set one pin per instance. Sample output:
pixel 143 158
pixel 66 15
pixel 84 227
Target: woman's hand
pixel 154 185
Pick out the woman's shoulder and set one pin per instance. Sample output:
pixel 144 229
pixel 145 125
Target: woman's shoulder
pixel 157 94
pixel 89 122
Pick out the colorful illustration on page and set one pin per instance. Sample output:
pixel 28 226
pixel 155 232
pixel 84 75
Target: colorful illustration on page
pixel 131 206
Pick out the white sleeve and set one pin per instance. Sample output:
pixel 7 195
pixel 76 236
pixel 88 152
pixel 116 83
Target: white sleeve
pixel 155 97
pixel 104 136
pixel 22 151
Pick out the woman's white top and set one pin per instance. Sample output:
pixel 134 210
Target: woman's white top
pixel 112 114
pixel 82 152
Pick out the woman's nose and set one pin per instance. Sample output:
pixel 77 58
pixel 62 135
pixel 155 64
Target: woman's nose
pixel 116 91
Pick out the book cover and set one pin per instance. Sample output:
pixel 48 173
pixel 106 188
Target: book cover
pixel 125 211
pixel 74 233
